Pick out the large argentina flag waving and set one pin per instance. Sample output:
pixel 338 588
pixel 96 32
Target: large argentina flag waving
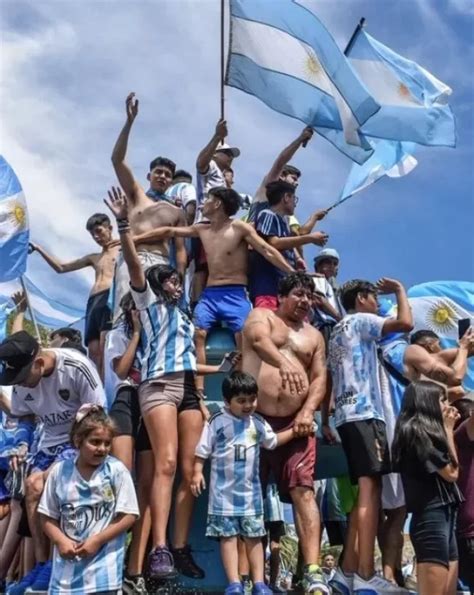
pixel 438 306
pixel 14 229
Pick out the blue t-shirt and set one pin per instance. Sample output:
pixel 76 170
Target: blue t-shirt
pixel 264 276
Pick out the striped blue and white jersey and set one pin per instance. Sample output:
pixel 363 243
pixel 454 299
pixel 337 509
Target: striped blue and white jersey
pixel 185 192
pixel 233 444
pixel 166 338
pixel 57 397
pixel 84 508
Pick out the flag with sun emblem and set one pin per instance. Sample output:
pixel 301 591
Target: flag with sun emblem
pixel 14 228
pixel 438 306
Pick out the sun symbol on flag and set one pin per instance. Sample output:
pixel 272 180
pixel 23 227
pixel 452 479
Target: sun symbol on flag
pixel 14 216
pixel 441 317
pixel 312 66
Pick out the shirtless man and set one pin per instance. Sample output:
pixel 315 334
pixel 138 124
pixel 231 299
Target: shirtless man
pixel 146 210
pixel 287 357
pixel 225 242
pixel 98 315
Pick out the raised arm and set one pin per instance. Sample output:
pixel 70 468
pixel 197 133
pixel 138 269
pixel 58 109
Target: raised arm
pixel 263 247
pixel 282 160
pixel 19 299
pixel 205 156
pixel 318 237
pixel 117 203
pixel 62 267
pixel 403 323
pixel 123 171
pixel 307 227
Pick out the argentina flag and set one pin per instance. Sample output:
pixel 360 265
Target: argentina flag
pixel 438 306
pixel 282 54
pixel 14 228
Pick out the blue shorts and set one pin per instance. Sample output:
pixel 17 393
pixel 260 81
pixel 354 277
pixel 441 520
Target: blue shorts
pixel 231 526
pixel 43 459
pixel 223 303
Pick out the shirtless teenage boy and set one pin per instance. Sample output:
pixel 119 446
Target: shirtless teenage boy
pixel 225 242
pixel 147 210
pixel 287 357
pixel 98 315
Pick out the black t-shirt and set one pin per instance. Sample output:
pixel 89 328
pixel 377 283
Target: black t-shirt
pixel 423 485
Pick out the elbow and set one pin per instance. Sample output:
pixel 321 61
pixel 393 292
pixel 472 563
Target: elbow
pixel 454 380
pixel 405 326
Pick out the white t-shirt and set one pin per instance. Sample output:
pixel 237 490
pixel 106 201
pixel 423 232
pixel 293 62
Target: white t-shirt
pixel 57 397
pixel 213 178
pixel 85 508
pixel 234 447
pixel 355 368
pixel 185 191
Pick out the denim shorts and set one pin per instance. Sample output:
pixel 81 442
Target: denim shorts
pixel 231 526
pixel 433 535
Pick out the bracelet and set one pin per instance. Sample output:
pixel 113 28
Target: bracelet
pixel 124 229
pixel 122 220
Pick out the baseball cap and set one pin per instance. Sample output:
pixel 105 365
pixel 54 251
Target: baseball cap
pixel 327 253
pixel 17 353
pixel 226 147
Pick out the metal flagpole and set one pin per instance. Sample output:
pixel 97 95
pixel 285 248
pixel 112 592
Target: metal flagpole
pixel 30 309
pixel 222 59
pixel 349 45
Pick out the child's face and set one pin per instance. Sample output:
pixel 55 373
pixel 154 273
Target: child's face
pixel 95 447
pixel 242 405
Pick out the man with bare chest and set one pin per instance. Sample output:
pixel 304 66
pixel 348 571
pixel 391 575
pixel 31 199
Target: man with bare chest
pixel 225 241
pixel 147 210
pixel 286 355
pixel 98 315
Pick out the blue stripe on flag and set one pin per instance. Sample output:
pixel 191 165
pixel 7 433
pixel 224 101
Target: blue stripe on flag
pixel 461 292
pixel 13 254
pixel 9 183
pixel 50 312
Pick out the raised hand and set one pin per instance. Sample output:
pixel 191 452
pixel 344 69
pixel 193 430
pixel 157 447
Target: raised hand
pixel 221 129
pixel 386 286
pixel 19 299
pixel 467 340
pixel 306 135
pixel 131 104
pixel 117 203
pixel 321 214
pixel 319 238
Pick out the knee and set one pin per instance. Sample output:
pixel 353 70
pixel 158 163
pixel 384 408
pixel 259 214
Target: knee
pixel 166 467
pixel 303 496
pixel 34 487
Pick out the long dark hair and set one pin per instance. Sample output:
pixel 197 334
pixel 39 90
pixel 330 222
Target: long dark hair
pixel 420 425
pixel 127 305
pixel 156 276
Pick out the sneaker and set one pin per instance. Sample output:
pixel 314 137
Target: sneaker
pixel 277 589
pixel 261 589
pixel 134 585
pixel 43 578
pixel 234 589
pixel 185 564
pixel 161 563
pixel 314 582
pixel 341 582
pixel 376 586
pixel 20 587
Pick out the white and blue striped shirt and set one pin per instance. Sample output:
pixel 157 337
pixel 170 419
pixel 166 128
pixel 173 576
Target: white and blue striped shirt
pixel 233 444
pixel 84 508
pixel 166 338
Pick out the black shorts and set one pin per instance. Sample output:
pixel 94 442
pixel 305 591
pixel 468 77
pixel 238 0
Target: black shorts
pixel 466 561
pixel 433 535
pixel 275 529
pixel 126 414
pixel 337 531
pixel 98 316
pixel 366 448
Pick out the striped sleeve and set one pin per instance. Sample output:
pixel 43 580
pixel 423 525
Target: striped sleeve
pixel 267 224
pixel 86 380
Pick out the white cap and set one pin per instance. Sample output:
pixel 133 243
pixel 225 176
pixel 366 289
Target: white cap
pixel 225 147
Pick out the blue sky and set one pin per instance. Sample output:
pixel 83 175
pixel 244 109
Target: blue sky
pixel 66 68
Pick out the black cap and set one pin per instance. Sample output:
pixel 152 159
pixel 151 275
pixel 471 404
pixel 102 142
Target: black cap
pixel 17 354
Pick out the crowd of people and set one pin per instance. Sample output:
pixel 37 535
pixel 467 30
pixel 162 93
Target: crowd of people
pixel 91 440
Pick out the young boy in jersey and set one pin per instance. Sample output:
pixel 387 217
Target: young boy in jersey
pixel 98 314
pixel 51 385
pixel 232 438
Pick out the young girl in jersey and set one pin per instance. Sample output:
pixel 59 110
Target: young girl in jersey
pixel 88 505
pixel 425 455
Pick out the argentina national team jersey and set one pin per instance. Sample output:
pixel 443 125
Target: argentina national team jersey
pixel 355 368
pixel 84 508
pixel 233 445
pixel 166 337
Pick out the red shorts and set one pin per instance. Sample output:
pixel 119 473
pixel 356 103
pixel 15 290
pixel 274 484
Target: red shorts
pixel 291 465
pixel 270 302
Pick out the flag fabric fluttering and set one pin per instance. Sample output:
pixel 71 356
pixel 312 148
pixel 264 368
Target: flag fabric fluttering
pixel 283 55
pixel 47 311
pixel 438 306
pixel 14 228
